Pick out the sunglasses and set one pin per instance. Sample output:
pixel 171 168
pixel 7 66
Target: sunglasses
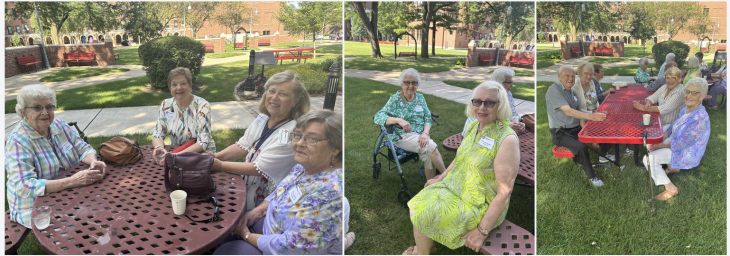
pixel 487 103
pixel 216 214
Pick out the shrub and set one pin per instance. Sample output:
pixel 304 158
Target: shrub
pixel 312 75
pixel 15 40
pixel 679 49
pixel 460 62
pixel 163 54
pixel 327 62
pixel 550 55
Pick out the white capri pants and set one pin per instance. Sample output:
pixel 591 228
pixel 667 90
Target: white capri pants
pixel 410 142
pixel 659 157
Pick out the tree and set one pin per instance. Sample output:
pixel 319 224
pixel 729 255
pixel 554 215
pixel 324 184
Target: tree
pixel 680 12
pixel 395 17
pixel 232 16
pixel 167 11
pixel 429 11
pixel 700 27
pixel 142 20
pixel 473 16
pixel 199 13
pixel 599 16
pixel 639 28
pixel 15 40
pixel 69 16
pixel 310 17
pixel 371 25
pixel 442 20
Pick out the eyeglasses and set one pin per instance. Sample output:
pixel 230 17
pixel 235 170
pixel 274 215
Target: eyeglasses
pixel 310 140
pixel 216 214
pixel 487 103
pixel 39 108
pixel 410 83
pixel 691 92
pixel 507 83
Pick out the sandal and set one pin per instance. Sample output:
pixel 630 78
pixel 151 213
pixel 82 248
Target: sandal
pixel 409 251
pixel 664 196
pixel 671 170
pixel 349 239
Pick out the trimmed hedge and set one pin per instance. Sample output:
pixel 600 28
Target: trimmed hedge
pixel 163 54
pixel 660 51
pixel 314 78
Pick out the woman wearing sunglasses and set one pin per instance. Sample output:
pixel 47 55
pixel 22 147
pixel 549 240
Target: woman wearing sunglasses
pixel 408 109
pixel 304 214
pixel 38 149
pixel 503 76
pixel 462 205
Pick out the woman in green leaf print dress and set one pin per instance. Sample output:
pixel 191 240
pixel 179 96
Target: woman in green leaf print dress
pixel 461 206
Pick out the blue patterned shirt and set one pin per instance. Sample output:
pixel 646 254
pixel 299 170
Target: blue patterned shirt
pixel 415 113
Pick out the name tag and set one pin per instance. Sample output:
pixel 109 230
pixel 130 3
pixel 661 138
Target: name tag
pixel 260 119
pixel 575 98
pixel 295 194
pixel 418 108
pixel 170 116
pixel 486 142
pixel 67 147
pixel 283 136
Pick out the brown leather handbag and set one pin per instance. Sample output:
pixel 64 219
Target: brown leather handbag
pixel 529 120
pixel 120 151
pixel 189 171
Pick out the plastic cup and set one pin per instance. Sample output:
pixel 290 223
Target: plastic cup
pixel 178 198
pixel 617 87
pixel 647 118
pixel 41 217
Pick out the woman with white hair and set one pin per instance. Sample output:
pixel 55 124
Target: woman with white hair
pixel 408 109
pixel 693 69
pixel 39 149
pixel 462 205
pixel 503 76
pixel 670 57
pixel 684 142
pixel 642 75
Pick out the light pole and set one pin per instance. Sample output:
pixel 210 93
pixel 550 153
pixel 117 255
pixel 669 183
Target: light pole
pixel 582 36
pixel 250 24
pixel 713 31
pixel 508 12
pixel 43 40
pixel 185 27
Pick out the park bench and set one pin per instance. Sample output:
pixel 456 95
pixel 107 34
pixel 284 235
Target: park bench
pixel 509 239
pixel 14 235
pixel 27 62
pixel 562 152
pixel 240 45
pixel 385 42
pixel 79 57
pixel 407 54
pixel 575 50
pixel 209 48
pixel 601 50
pixel 521 61
pixel 721 48
pixel 264 42
pixel 293 58
pixel 486 58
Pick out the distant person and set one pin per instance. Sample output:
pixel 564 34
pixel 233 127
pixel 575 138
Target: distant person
pixel 693 69
pixel 700 57
pixel 668 98
pixel 642 75
pixel 661 80
pixel 670 57
pixel 597 77
pixel 720 88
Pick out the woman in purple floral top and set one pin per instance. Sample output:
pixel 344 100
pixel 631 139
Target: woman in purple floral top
pixel 684 142
pixel 304 214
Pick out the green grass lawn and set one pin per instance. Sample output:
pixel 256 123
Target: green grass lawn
pixel 575 218
pixel 76 73
pixel 637 51
pixel 423 66
pixel 223 138
pixel 128 56
pixel 603 60
pixel 381 223
pixel 359 49
pixel 548 46
pixel 626 70
pixel 524 91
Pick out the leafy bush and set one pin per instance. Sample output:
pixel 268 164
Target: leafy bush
pixel 312 75
pixel 679 49
pixel 15 40
pixel 460 62
pixel 327 62
pixel 163 54
pixel 552 55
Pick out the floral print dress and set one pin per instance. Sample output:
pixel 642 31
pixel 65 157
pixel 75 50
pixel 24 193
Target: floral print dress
pixel 415 113
pixel 185 124
pixel 304 215
pixel 447 210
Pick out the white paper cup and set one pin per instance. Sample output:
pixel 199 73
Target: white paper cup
pixel 178 198
pixel 617 87
pixel 647 118
pixel 41 217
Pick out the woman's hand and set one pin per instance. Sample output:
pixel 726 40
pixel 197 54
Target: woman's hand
pixel 424 139
pixel 653 147
pixel 159 155
pixel 241 229
pixel 405 125
pixel 435 179
pixel 517 125
pixel 252 216
pixel 96 164
pixel 86 177
pixel 474 239
pixel 217 164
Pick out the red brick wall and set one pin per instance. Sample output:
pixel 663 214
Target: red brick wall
pixel 11 64
pixel 618 48
pixel 472 57
pixel 505 54
pixel 219 44
pixel 104 52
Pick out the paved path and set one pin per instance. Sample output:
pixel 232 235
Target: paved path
pixel 107 121
pixel 432 83
pixel 550 74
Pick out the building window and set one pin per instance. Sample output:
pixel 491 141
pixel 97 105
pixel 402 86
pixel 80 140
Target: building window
pixel 723 41
pixel 707 10
pixel 267 32
pixel 26 28
pixel 17 29
pixel 451 32
pixel 175 24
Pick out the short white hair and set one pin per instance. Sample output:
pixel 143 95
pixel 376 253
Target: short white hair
pixel 643 60
pixel 412 72
pixel 698 81
pixel 33 92
pixel 670 56
pixel 693 63
pixel 501 74
pixel 504 111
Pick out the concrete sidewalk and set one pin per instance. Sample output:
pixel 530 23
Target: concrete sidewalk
pixel 432 83
pixel 551 73
pixel 130 120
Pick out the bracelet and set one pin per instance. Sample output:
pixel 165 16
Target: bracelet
pixel 159 146
pixel 483 231
pixel 429 135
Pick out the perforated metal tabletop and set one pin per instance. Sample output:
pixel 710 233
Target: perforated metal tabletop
pixel 129 212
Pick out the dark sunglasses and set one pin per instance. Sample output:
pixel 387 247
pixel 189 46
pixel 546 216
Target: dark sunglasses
pixel 216 214
pixel 487 103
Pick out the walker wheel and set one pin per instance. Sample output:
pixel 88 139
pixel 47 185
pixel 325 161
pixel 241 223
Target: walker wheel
pixel 404 196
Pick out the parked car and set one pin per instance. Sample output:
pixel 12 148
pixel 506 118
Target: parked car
pixel 125 42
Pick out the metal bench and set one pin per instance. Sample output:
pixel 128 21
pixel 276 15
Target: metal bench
pixel 209 48
pixel 575 50
pixel 407 54
pixel 240 45
pixel 14 235
pixel 486 58
pixel 509 239
pixel 79 57
pixel 27 62
pixel 265 42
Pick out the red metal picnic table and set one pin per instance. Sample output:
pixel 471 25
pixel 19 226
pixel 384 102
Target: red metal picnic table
pixel 623 122
pixel 129 212
pixel 294 54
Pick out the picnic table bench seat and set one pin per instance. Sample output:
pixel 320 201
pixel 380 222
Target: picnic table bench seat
pixel 485 58
pixel 14 235
pixel 27 62
pixel 78 57
pixel 521 61
pixel 509 239
pixel 240 45
pixel 293 58
pixel 562 152
pixel 407 54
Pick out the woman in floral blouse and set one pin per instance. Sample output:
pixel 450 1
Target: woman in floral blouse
pixel 408 109
pixel 184 117
pixel 642 75
pixel 684 142
pixel 304 214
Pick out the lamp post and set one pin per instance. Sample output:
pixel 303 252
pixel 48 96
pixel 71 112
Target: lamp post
pixel 185 27
pixel 713 31
pixel 582 36
pixel 43 40
pixel 508 12
pixel 250 24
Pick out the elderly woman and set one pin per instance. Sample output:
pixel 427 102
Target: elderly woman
pixel 661 80
pixel 669 98
pixel 718 89
pixel 642 75
pixel 38 149
pixel 700 58
pixel 670 57
pixel 588 101
pixel 504 76
pixel 693 70
pixel 684 142
pixel 447 211
pixel 408 109
pixel 598 76
pixel 185 117
pixel 265 143
pixel 304 214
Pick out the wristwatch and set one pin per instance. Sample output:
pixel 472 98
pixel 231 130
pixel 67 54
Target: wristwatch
pixel 483 231
pixel 246 238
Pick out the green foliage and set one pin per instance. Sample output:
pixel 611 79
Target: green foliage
pixel 68 16
pixel 15 40
pixel 639 29
pixel 460 62
pixel 76 73
pixel 680 50
pixel 142 20
pixel 312 75
pixel 327 62
pixel 163 54
pixel 309 17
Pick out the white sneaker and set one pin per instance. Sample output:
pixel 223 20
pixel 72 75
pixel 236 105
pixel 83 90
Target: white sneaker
pixel 627 151
pixel 597 182
pixel 604 160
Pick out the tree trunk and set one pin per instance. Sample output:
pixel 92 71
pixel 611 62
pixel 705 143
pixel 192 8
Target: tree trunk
pixel 427 15
pixel 371 25
pixel 433 39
